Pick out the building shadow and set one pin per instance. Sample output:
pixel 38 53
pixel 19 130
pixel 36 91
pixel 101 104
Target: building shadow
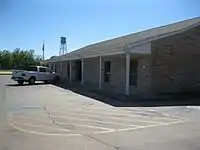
pixel 25 84
pixel 170 99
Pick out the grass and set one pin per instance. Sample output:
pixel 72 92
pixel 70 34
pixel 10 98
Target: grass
pixel 5 72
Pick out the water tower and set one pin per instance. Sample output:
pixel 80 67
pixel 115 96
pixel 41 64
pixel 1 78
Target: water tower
pixel 63 46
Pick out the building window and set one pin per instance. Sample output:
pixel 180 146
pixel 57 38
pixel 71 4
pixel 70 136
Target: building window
pixel 107 65
pixel 55 69
pixel 52 67
pixel 133 72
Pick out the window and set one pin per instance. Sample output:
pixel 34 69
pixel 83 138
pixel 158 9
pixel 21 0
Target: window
pixel 32 69
pixel 107 71
pixel 42 69
pixel 52 67
pixel 133 72
pixel 55 69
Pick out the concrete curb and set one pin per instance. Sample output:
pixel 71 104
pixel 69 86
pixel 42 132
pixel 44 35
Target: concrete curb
pixel 6 73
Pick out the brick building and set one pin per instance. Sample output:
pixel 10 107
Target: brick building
pixel 159 60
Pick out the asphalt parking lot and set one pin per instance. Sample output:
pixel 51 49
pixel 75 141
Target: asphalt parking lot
pixel 49 117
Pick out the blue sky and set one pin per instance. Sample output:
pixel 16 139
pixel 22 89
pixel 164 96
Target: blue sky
pixel 25 23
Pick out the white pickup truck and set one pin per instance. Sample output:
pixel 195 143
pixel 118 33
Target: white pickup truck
pixel 35 73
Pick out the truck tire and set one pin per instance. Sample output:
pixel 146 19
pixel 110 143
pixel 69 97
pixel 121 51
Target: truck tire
pixel 21 82
pixel 31 80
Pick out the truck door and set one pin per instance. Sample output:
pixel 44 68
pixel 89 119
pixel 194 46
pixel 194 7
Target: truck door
pixel 42 74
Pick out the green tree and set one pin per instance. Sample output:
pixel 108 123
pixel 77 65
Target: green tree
pixel 18 57
pixel 5 59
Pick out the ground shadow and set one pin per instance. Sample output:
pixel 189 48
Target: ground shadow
pixel 25 84
pixel 170 99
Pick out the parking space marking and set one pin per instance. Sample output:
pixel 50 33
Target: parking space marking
pixel 151 126
pixel 60 123
pixel 97 132
pixel 109 130
pixel 87 126
pixel 38 126
pixel 34 119
pixel 14 125
pixel 166 114
pixel 91 108
pixel 97 121
pixel 40 133
pixel 108 113
pixel 114 118
pixel 105 122
pixel 88 120
pixel 80 119
pixel 118 118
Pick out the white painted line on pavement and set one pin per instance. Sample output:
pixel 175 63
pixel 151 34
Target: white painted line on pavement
pixel 141 127
pixel 79 119
pixel 97 109
pixel 106 113
pixel 38 126
pixel 116 118
pixel 40 133
pixel 60 123
pixel 87 126
pixel 168 115
pixel 96 121
pixel 96 132
pixel 150 126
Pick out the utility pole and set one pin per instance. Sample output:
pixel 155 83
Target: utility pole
pixel 43 50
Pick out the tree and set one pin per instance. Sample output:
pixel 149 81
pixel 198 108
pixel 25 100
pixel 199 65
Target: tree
pixel 5 59
pixel 18 57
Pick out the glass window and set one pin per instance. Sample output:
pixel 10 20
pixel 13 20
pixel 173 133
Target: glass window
pixel 52 67
pixel 32 69
pixel 133 72
pixel 41 69
pixel 107 66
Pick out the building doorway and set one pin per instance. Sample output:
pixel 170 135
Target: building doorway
pixel 78 70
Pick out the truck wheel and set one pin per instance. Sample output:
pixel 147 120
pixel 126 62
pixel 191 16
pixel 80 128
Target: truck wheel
pixel 21 82
pixel 31 80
